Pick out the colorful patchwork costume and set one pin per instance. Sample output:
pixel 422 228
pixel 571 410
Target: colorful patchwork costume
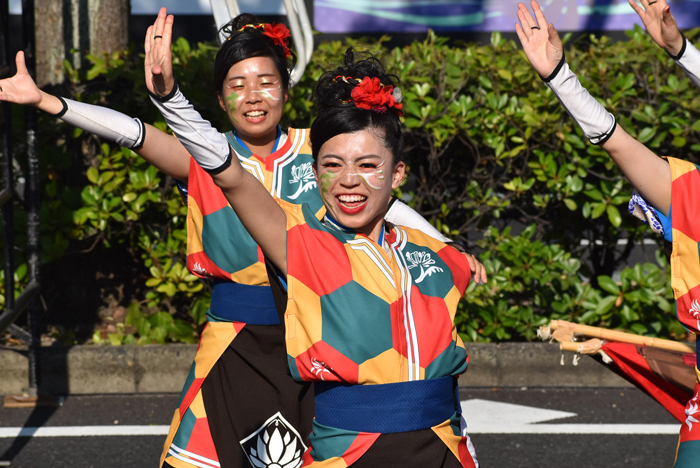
pixel 373 326
pixel 241 351
pixel 685 281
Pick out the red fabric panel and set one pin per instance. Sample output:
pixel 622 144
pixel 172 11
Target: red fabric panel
pixel 634 368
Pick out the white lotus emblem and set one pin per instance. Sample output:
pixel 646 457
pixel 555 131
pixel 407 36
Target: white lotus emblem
pixel 304 176
pixel 200 270
pixel 318 368
pixel 275 445
pixel 425 262
pixel 695 312
pixel 690 411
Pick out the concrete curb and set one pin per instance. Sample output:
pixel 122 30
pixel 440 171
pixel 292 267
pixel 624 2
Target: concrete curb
pixel 163 369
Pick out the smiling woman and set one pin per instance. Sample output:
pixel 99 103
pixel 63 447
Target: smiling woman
pixel 368 306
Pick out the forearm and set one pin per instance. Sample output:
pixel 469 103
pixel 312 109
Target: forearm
pixel 647 172
pixel 688 58
pixel 158 148
pixel 208 147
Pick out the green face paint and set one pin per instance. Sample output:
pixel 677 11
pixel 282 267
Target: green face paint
pixel 231 106
pixel 326 182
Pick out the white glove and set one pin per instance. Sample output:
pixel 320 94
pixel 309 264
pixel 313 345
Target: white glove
pixel 105 123
pixel 689 60
pixel 403 215
pixel 206 145
pixel 597 123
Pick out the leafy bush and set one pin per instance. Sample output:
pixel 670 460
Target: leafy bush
pixel 488 147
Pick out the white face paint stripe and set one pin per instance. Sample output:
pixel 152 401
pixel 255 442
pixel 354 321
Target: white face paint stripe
pixel 366 175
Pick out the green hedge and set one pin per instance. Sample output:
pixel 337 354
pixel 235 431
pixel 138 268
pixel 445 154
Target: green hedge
pixel 488 146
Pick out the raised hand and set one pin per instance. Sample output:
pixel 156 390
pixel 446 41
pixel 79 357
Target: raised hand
pixel 540 41
pixel 21 88
pixel 660 24
pixel 159 60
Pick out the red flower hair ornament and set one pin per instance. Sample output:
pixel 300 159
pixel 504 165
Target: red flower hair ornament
pixel 371 94
pixel 279 34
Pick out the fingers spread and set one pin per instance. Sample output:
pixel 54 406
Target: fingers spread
pixel 148 41
pixel 541 20
pixel 168 30
pixel 554 37
pixel 636 7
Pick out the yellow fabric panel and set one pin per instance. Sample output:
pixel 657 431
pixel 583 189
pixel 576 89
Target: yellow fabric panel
pixel 293 212
pixel 452 299
pixel 680 167
pixel 300 338
pixel 177 463
pixel 376 370
pixel 197 406
pixel 175 423
pixel 195 223
pixel 366 273
pixel 306 145
pixel 685 264
pixel 335 462
pixel 252 275
pixel 444 432
pixel 215 339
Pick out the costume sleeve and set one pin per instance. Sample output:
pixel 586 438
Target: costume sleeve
pixel 401 214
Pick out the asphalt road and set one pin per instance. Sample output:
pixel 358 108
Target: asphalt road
pixel 604 408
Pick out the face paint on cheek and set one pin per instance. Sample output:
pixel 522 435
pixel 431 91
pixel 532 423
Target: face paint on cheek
pixel 374 180
pixel 231 106
pixel 267 94
pixel 326 182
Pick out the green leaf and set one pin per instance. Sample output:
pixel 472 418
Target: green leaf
pixel 93 175
pixel 614 215
pixel 606 283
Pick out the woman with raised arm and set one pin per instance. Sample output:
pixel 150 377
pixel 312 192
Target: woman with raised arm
pixel 671 186
pixel 241 352
pixel 368 306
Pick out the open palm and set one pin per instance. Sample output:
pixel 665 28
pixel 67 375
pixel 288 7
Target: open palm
pixel 158 63
pixel 21 88
pixel 540 41
pixel 660 23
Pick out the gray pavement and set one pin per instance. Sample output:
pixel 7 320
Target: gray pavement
pixel 600 406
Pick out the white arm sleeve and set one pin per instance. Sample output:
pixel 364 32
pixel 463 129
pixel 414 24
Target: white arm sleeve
pixel 206 145
pixel 689 60
pixel 105 123
pixel 597 123
pixel 403 215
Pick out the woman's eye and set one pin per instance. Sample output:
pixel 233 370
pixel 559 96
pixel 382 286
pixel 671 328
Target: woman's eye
pixel 331 165
pixel 368 166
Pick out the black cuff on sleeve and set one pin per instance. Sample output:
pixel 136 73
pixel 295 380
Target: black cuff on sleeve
pixel 682 51
pixel 458 245
pixel 142 136
pixel 64 110
pixel 167 97
pixel 607 137
pixel 556 69
pixel 221 168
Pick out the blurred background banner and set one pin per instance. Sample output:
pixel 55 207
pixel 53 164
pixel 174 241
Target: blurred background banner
pixel 342 16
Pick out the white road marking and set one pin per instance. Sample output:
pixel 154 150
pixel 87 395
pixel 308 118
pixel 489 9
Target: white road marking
pixel 478 412
pixel 620 429
pixel 482 417
pixel 493 417
pixel 83 431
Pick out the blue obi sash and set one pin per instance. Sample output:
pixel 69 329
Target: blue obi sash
pixel 386 408
pixel 235 302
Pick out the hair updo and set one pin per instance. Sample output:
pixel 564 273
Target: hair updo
pixel 249 43
pixel 338 113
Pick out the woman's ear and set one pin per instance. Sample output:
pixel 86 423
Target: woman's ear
pixel 398 174
pixel 222 104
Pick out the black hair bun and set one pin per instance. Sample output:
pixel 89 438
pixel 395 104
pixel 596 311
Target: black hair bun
pixel 232 27
pixel 335 87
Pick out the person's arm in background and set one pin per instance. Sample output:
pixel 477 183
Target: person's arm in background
pixel 164 151
pixel 403 215
pixel 648 174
